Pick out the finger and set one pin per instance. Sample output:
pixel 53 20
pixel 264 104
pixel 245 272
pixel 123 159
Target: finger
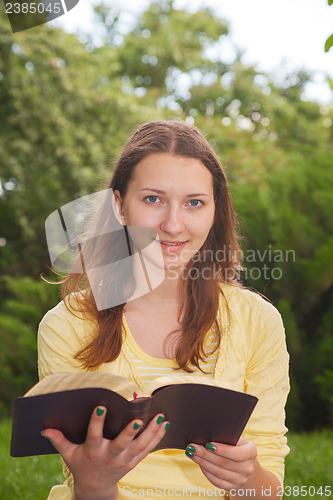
pixel 151 436
pixel 233 455
pixel 219 470
pixel 221 483
pixel 58 440
pixel 95 427
pixel 203 457
pixel 126 436
pixel 220 467
pixel 209 454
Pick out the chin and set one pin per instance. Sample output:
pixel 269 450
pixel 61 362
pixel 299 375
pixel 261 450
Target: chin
pixel 175 267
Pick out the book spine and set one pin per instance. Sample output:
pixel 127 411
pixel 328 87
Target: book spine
pixel 140 408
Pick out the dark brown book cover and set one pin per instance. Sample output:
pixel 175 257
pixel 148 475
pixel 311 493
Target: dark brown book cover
pixel 198 413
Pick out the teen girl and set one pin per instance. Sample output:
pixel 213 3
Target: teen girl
pixel 198 320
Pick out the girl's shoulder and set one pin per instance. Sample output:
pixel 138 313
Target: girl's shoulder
pixel 63 311
pixel 66 320
pixel 245 303
pixel 251 320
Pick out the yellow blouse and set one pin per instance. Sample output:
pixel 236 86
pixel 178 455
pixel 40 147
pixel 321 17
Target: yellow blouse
pixel 252 356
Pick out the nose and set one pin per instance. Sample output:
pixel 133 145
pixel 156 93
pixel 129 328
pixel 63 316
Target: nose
pixel 172 222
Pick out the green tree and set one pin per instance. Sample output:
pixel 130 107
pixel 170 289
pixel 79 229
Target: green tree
pixel 329 41
pixel 63 116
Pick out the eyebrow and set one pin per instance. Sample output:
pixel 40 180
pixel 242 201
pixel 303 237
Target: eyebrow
pixel 158 191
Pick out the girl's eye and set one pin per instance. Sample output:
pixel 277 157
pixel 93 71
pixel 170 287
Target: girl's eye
pixel 195 203
pixel 152 198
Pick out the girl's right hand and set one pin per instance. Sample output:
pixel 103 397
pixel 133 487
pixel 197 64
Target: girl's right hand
pixel 98 463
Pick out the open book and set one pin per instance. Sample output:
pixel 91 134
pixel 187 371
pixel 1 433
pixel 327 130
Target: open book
pixel 199 409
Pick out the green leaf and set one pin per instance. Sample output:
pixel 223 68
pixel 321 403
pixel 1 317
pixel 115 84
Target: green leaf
pixel 329 41
pixel 330 2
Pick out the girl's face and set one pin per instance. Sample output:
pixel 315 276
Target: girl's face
pixel 173 195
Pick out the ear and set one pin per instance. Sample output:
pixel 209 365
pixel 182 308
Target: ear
pixel 117 205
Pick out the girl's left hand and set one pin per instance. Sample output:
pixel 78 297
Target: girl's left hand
pixel 225 466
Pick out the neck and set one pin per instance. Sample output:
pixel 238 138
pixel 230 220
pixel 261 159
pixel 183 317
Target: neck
pixel 163 298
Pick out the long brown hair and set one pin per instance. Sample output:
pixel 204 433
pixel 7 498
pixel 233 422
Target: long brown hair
pixel 199 295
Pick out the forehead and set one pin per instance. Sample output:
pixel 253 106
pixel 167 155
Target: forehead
pixel 159 170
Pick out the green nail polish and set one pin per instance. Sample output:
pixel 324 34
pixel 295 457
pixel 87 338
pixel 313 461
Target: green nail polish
pixel 99 412
pixel 210 447
pixel 191 448
pixel 136 426
pixel 167 425
pixel 160 419
pixel 188 454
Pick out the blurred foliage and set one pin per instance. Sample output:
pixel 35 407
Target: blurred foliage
pixel 28 300
pixel 60 126
pixel 329 41
pixel 68 103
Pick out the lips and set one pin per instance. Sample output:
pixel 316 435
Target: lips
pixel 172 245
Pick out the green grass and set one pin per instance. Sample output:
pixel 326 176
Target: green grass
pixel 310 463
pixel 28 478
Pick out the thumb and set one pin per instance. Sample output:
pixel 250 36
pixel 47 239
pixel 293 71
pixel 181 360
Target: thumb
pixel 241 441
pixel 58 440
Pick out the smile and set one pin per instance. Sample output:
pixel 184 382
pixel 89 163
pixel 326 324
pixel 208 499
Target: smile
pixel 171 243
